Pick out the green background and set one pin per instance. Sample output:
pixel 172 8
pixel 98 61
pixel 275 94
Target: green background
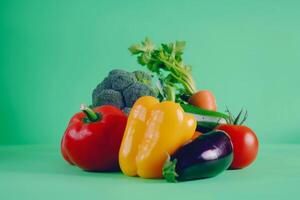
pixel 53 53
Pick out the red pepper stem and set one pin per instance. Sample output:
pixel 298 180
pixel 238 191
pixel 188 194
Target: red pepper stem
pixel 91 115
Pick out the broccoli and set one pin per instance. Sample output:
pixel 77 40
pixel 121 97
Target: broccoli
pixel 108 97
pixel 121 80
pixel 135 91
pixel 121 89
pixel 105 84
pixel 143 77
pixel 117 71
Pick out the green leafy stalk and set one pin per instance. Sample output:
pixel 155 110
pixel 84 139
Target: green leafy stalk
pixel 170 93
pixel 166 62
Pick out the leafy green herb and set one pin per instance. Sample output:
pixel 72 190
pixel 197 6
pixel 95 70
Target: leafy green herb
pixel 175 78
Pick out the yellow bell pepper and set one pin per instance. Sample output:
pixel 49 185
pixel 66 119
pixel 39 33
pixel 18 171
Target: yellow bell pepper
pixel 153 131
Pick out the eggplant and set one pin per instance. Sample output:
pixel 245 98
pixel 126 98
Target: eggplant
pixel 204 157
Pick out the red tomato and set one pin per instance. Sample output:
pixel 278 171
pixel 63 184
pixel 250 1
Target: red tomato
pixel 245 144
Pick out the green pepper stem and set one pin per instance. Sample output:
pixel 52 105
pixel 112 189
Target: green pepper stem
pixel 91 115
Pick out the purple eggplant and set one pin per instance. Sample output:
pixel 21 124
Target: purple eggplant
pixel 204 157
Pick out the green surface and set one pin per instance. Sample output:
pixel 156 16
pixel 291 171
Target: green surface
pixel 38 172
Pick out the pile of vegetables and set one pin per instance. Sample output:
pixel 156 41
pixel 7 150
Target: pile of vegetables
pixel 165 129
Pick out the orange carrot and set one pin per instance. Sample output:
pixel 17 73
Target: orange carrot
pixel 203 99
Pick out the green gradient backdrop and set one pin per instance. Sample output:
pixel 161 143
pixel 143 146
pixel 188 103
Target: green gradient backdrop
pixel 53 53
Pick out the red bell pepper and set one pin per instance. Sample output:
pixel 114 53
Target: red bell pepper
pixel 93 138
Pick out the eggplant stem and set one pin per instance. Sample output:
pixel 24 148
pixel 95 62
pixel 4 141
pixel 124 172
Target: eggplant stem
pixel 169 171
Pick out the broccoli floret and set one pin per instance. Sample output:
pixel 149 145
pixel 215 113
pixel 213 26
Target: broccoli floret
pixel 105 84
pixel 121 79
pixel 108 97
pixel 126 110
pixel 117 71
pixel 143 77
pixel 135 91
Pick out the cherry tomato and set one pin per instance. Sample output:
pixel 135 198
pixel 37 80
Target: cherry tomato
pixel 245 144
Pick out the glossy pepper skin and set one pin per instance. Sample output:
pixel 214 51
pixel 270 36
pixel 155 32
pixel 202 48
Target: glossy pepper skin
pixel 153 130
pixel 206 156
pixel 93 137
